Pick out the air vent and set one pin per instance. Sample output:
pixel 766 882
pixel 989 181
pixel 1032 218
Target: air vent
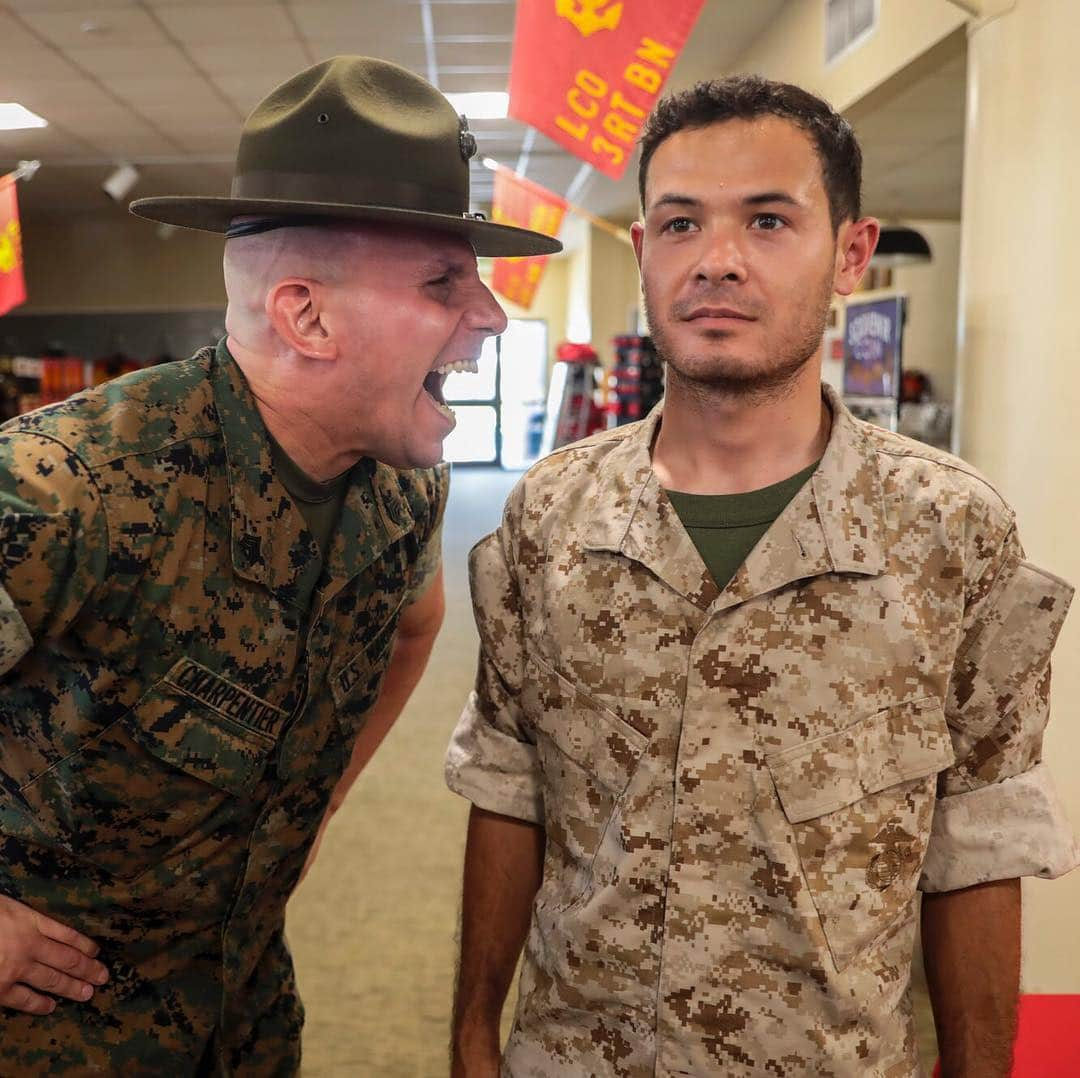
pixel 848 23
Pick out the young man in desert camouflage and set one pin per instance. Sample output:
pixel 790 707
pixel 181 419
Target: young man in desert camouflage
pixel 753 674
pixel 219 583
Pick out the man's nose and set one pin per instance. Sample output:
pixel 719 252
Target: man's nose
pixel 484 313
pixel 721 259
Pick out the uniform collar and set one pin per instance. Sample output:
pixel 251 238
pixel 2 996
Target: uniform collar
pixel 834 524
pixel 271 545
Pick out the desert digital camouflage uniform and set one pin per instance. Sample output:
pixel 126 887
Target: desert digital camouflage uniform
pixel 742 790
pixel 182 689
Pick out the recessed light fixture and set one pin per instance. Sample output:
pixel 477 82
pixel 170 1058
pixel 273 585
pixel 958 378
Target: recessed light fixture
pixel 15 117
pixel 481 106
pixel 490 162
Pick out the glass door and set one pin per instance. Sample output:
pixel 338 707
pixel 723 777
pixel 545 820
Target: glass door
pixel 500 410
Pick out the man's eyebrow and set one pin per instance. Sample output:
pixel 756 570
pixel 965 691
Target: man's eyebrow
pixel 675 199
pixel 767 197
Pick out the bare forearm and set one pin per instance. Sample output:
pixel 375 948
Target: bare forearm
pixel 971 949
pixel 503 868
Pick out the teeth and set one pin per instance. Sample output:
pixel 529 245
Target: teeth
pixel 459 366
pixel 445 411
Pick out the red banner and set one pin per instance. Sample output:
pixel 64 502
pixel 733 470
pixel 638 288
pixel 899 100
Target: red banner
pixel 520 202
pixel 587 72
pixel 12 283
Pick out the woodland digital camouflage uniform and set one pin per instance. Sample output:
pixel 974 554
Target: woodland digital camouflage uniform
pixel 168 737
pixel 742 790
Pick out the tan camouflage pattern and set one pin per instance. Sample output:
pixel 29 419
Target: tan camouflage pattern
pixel 738 787
pixel 169 742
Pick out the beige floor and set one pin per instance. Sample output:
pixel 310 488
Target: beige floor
pixel 373 927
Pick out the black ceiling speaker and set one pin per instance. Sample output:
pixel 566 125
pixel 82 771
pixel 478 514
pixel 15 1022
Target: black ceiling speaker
pixel 899 246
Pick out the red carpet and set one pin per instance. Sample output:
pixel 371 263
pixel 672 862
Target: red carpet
pixel 1048 1040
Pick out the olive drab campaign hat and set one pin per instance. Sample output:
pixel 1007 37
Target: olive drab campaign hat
pixel 359 139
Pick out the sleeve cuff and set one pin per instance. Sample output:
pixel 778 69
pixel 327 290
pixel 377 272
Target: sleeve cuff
pixel 493 770
pixel 1016 827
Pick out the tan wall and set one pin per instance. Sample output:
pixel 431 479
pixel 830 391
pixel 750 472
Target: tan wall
pixel 793 48
pixel 549 304
pixel 614 292
pixel 118 263
pixel 1019 386
pixel 932 291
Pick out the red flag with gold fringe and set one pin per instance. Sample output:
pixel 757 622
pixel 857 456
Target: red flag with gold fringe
pixel 587 72
pixel 12 282
pixel 520 202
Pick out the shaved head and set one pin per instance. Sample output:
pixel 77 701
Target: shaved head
pixel 254 264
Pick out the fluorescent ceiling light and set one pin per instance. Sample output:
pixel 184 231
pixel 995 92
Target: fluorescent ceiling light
pixel 481 106
pixel 14 117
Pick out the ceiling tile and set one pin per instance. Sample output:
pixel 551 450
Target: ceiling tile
pixel 212 24
pixel 329 18
pixel 460 19
pixel 217 140
pixel 246 91
pixel 472 54
pixel 57 98
pixel 38 64
pixel 151 91
pixel 81 6
pixel 463 84
pixel 185 115
pixel 102 121
pixel 155 59
pixel 95 27
pixel 279 58
pixel 43 142
pixel 409 55
pixel 14 37
pixel 131 146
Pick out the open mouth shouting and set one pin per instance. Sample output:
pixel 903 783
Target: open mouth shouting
pixel 436 379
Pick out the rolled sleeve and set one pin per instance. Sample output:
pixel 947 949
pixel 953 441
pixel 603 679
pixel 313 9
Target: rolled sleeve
pixel 997 815
pixel 492 769
pixel 1016 827
pixel 492 759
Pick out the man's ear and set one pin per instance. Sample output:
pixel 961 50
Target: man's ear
pixel 637 234
pixel 294 308
pixel 855 245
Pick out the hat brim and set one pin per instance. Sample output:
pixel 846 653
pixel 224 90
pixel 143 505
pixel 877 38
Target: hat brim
pixel 215 214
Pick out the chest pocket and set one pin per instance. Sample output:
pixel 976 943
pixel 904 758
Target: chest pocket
pixel 165 777
pixel 860 803
pixel 587 755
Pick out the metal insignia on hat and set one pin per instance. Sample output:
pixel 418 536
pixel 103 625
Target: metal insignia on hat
pixel 466 139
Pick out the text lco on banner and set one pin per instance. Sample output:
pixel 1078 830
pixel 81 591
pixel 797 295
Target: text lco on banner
pixel 587 72
pixel 520 202
pixel 12 282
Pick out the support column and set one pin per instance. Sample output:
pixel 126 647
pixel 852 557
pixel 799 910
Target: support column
pixel 1019 363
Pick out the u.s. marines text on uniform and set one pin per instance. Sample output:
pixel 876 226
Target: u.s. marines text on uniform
pixel 707 800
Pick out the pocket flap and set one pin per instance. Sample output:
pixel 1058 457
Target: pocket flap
pixel 586 731
pixel 187 734
pixel 903 742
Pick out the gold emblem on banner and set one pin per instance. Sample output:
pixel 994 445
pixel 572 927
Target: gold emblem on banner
pixel 9 247
pixel 588 16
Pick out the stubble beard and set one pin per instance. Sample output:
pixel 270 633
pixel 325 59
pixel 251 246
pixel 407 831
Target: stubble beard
pixel 712 378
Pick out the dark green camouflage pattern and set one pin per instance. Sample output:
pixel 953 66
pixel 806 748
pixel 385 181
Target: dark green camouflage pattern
pixel 168 742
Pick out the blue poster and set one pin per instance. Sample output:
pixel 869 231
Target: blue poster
pixel 872 347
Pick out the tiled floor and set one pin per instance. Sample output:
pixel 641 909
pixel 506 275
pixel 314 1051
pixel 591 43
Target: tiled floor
pixel 373 927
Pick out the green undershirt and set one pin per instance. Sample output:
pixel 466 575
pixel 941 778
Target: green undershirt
pixel 319 503
pixel 726 527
